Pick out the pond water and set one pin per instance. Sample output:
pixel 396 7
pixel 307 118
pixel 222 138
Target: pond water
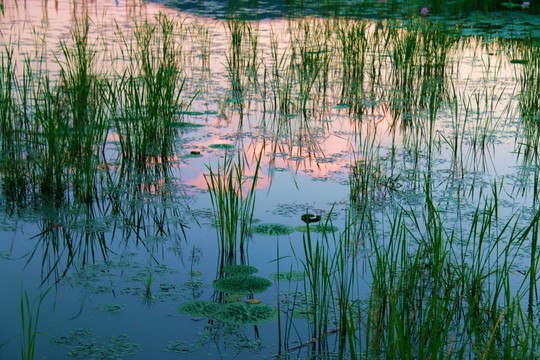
pixel 148 146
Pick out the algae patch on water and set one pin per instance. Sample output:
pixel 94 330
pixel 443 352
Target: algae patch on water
pixel 239 313
pixel 242 284
pixel 272 229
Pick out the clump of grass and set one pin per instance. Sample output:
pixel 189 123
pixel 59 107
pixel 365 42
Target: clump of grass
pixel 233 201
pixel 148 93
pixel 29 323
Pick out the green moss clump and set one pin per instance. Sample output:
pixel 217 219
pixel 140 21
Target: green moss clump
pixel 241 313
pixel 319 228
pixel 199 308
pixel 290 276
pixel 240 270
pixel 272 229
pixel 242 284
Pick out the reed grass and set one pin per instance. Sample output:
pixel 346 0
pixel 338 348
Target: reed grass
pixel 147 95
pixel 233 200
pixel 29 323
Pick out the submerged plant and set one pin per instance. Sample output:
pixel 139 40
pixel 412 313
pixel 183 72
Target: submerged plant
pixel 242 284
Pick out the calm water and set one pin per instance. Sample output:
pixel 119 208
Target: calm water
pixel 158 226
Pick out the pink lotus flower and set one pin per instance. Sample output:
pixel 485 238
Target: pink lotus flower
pixel 424 11
pixel 525 5
pixel 382 1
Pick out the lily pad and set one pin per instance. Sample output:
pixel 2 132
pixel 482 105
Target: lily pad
pixel 241 313
pixel 242 284
pixel 272 229
pixel 290 276
pixel 240 270
pixel 199 308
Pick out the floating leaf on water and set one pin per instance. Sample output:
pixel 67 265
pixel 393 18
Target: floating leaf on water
pixel 303 313
pixel 319 228
pixel 192 156
pixel 195 273
pixel 181 347
pixel 193 284
pixel 272 229
pixel 112 308
pixel 240 270
pixel 199 308
pixel 241 313
pixel 342 106
pixel 221 146
pixel 253 301
pixel 510 5
pixel 519 61
pixel 290 276
pixel 242 284
pixel 183 124
pixel 233 297
pixel 191 113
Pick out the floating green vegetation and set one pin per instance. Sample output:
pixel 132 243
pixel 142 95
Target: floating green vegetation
pixel 221 146
pixel 81 346
pixel 241 313
pixel 242 284
pixel 519 61
pixel 290 276
pixel 319 228
pixel 181 347
pixel 184 124
pixel 195 273
pixel 240 270
pixel 233 297
pixel 303 313
pixel 199 308
pixel 272 229
pixel 111 308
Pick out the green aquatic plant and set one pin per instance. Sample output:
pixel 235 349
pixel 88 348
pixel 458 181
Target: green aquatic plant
pixel 303 313
pixel 199 308
pixel 221 146
pixel 242 284
pixel 29 323
pixel 272 229
pixel 233 205
pixel 241 313
pixel 184 125
pixel 290 276
pixel 319 228
pixel 240 270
